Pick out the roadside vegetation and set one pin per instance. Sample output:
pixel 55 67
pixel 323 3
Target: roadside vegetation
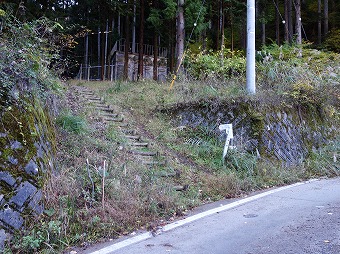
pixel 97 192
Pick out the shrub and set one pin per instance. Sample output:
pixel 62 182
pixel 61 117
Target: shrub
pixel 27 52
pixel 218 65
pixel 333 40
pixel 71 123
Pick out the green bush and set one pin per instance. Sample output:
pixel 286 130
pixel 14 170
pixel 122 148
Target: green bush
pixel 71 123
pixel 27 53
pixel 217 65
pixel 333 40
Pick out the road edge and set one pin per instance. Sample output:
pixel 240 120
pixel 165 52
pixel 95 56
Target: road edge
pixel 144 236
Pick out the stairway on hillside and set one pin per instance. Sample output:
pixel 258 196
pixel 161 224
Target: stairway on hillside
pixel 139 147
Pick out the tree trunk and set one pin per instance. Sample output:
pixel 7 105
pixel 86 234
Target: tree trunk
pixel 126 48
pixel 204 40
pixel 243 36
pixel 298 22
pixel 232 31
pixel 134 28
pixel 222 27
pixel 290 21
pixel 319 22
pixel 155 49
pixel 263 30
pixel 180 34
pixel 119 25
pixel 215 25
pixel 86 55
pixel 325 11
pixel 105 49
pixel 98 53
pixel 172 43
pixel 155 56
pixel 141 42
pixel 286 21
pixel 218 24
pixel 278 23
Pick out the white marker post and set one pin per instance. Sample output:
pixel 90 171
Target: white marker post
pixel 229 130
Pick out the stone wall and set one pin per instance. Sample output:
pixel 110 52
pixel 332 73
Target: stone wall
pixel 286 134
pixel 26 158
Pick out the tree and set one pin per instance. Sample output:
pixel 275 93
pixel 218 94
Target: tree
pixel 298 22
pixel 180 34
pixel 277 22
pixel 155 48
pixel 325 11
pixel 141 40
pixel 127 43
pixel 288 21
pixel 319 22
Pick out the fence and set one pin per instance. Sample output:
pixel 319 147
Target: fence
pixel 147 49
pixel 88 72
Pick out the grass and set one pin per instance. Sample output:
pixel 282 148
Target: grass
pixel 72 123
pixel 140 197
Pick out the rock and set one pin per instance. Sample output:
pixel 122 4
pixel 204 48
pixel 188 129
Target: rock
pixel 31 168
pixel 24 192
pixel 3 237
pixel 11 218
pixel 7 178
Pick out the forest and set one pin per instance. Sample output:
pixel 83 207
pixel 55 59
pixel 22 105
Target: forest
pixel 123 156
pixel 90 29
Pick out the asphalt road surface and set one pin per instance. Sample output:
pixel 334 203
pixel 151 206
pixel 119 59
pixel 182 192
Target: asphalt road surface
pixel 301 218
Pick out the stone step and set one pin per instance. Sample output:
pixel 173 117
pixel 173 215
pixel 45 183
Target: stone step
pixel 84 91
pixel 132 137
pixel 181 187
pixel 101 106
pixel 89 96
pixel 108 115
pixel 139 144
pixel 113 119
pixel 107 109
pixel 92 97
pixel 94 100
pixel 150 163
pixel 166 174
pixel 130 132
pixel 143 153
pixel 98 105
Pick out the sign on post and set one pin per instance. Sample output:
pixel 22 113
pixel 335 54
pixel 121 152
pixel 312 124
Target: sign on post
pixel 229 130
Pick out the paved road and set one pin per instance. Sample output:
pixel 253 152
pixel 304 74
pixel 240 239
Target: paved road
pixel 303 218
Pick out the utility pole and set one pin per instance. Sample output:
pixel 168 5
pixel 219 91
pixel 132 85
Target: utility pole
pixel 251 46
